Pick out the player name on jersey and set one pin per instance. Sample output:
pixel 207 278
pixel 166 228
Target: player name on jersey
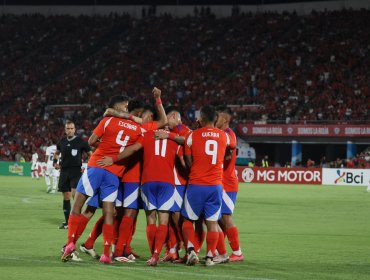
pixel 211 134
pixel 127 125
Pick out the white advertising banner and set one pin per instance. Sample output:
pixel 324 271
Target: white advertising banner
pixel 345 177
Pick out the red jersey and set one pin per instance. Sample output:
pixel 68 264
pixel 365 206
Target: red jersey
pixel 207 146
pixel 115 134
pixel 181 173
pixel 158 159
pixel 132 173
pixel 229 179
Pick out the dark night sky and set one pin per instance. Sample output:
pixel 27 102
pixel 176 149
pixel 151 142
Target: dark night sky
pixel 147 2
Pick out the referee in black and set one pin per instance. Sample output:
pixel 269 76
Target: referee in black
pixel 69 150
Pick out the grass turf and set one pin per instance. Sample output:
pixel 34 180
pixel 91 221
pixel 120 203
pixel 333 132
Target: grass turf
pixel 286 232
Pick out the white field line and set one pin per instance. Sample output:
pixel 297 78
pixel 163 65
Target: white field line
pixel 148 270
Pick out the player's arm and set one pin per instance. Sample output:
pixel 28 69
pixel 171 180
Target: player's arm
pixel 110 112
pixel 55 159
pixel 128 151
pixel 163 134
pixel 162 117
pixel 189 160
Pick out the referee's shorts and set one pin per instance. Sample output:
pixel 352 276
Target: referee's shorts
pixel 69 177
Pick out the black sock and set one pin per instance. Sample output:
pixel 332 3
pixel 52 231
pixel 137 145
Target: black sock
pixel 66 209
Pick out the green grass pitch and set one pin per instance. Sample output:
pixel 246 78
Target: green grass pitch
pixel 286 232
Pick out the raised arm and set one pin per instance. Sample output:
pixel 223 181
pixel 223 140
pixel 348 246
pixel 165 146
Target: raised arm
pixel 162 117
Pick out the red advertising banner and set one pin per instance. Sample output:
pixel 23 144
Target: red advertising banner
pixel 279 175
pixel 303 130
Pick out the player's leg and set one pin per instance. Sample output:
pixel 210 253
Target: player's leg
pixel 130 210
pixel 222 256
pixel 74 222
pixel 230 229
pixel 108 192
pixel 47 179
pixel 149 205
pixel 212 213
pixel 191 210
pixel 55 175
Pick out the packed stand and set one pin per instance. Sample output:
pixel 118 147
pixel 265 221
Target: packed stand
pixel 293 68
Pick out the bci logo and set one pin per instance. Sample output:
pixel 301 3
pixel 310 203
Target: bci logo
pixel 349 177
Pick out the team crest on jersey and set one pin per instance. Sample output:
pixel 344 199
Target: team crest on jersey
pixel 74 152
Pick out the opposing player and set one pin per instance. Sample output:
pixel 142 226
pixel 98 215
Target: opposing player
pixel 111 136
pixel 230 190
pixel 158 187
pixel 35 166
pixel 204 154
pixel 51 172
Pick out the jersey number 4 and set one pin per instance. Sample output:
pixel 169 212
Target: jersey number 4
pixel 121 142
pixel 211 149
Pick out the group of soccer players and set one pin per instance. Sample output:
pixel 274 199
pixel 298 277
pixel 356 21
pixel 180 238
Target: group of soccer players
pixel 183 180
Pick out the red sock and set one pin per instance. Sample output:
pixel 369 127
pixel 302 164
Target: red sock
pixel 73 223
pixel 81 227
pixel 199 239
pixel 125 231
pixel 188 234
pixel 150 235
pixel 212 239
pixel 116 225
pixel 160 238
pixel 179 233
pixel 129 239
pixel 172 238
pixel 108 232
pixel 233 236
pixel 94 234
pixel 221 247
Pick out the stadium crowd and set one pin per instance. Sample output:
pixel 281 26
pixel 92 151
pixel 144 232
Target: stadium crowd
pixel 292 68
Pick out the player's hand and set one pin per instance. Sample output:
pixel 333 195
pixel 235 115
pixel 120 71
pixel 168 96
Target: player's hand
pixel 105 161
pixel 110 112
pixel 57 166
pixel 161 134
pixel 156 92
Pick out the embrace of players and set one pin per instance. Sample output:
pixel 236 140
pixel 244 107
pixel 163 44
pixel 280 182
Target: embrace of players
pixel 184 180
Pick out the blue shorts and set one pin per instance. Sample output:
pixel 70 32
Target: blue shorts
pixel 228 202
pixel 157 195
pixel 97 180
pixel 178 197
pixel 128 195
pixel 205 200
pixel 95 201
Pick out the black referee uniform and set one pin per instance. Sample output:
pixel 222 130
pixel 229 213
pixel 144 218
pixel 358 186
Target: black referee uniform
pixel 71 162
pixel 70 168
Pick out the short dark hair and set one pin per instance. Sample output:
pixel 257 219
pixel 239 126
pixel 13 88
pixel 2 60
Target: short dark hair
pixel 117 99
pixel 224 109
pixel 69 122
pixel 171 109
pixel 150 108
pixel 135 104
pixel 208 114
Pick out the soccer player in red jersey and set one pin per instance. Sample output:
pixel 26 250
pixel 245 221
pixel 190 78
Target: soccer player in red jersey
pixel 111 135
pixel 128 200
pixel 157 187
pixel 230 189
pixel 204 153
pixel 177 133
